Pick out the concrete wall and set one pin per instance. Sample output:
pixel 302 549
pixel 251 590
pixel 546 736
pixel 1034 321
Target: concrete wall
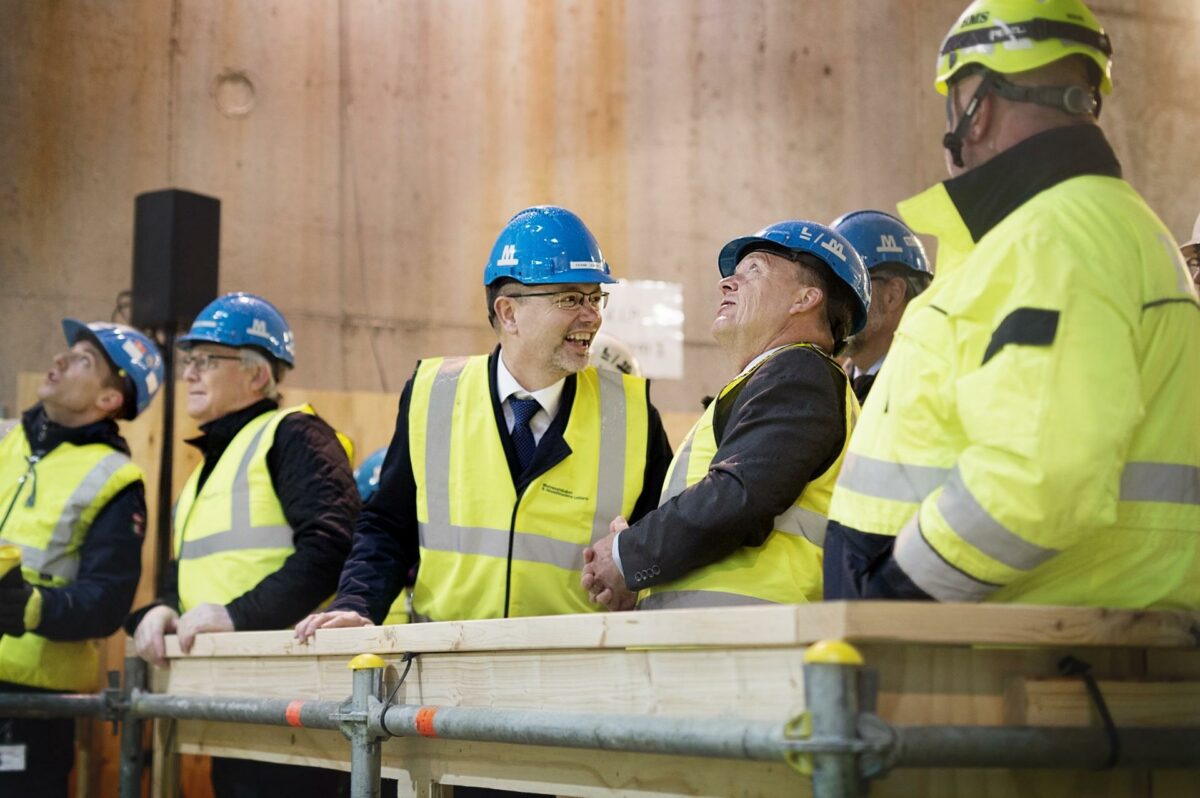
pixel 367 152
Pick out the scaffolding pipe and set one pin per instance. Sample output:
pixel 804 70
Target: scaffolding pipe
pixel 132 756
pixel 52 705
pixel 1037 748
pixel 264 711
pixel 727 738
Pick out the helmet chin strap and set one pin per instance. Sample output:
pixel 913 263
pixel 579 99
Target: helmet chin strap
pixel 953 141
pixel 1075 100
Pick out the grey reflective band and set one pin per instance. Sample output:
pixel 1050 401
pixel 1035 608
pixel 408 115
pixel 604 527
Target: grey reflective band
pixel 437 452
pixel 684 599
pixel 438 534
pixel 809 524
pixel 678 481
pixel 970 521
pixel 7 425
pixel 610 484
pixel 57 559
pixel 241 535
pixel 527 546
pixel 881 479
pixel 1170 483
pixel 259 537
pixel 930 572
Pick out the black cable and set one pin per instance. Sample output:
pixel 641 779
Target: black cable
pixel 1071 666
pixel 409 656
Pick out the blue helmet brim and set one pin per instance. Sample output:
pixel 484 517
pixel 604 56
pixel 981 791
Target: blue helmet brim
pixel 733 252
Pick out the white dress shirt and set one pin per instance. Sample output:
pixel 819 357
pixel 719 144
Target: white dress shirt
pixel 548 398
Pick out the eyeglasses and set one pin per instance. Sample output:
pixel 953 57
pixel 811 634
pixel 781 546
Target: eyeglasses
pixel 203 361
pixel 570 300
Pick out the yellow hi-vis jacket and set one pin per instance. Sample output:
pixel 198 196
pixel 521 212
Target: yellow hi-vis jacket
pixel 54 501
pixel 786 568
pixel 234 533
pixel 1034 434
pixel 480 541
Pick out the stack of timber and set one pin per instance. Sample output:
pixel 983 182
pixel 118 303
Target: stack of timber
pixel 938 665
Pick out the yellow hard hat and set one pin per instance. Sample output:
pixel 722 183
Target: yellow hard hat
pixel 1009 36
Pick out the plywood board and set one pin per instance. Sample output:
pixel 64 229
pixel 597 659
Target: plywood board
pixel 1065 702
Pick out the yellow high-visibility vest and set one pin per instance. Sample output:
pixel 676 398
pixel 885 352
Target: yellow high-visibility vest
pixel 480 541
pixel 53 502
pixel 786 568
pixel 1034 434
pixel 234 533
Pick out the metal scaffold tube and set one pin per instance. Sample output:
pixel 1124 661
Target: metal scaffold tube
pixel 265 711
pixel 51 705
pixel 1054 748
pixel 729 738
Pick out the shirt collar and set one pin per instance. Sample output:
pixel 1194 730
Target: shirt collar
pixel 507 385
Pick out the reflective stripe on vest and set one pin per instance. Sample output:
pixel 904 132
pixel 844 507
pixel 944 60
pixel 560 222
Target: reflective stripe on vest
pixel 440 535
pixel 503 552
pixel 240 534
pixel 232 533
pixel 787 566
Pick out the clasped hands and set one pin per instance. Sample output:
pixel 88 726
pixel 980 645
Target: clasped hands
pixel 601 577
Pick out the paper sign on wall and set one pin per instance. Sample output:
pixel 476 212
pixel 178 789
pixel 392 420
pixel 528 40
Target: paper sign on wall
pixel 648 316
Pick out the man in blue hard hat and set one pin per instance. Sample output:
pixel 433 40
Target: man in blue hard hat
pixel 505 467
pixel 74 504
pixel 895 259
pixel 263 525
pixel 742 518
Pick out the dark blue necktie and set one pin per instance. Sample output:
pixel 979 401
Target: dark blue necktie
pixel 522 436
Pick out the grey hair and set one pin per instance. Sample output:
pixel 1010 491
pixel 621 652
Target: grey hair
pixel 253 359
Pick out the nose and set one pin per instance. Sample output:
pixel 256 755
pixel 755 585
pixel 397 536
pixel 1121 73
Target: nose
pixel 586 310
pixel 728 284
pixel 60 361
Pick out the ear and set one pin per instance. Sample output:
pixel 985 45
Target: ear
pixel 808 298
pixel 894 291
pixel 260 377
pixel 981 123
pixel 109 402
pixel 506 314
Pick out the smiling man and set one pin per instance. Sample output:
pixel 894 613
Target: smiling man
pixel 742 518
pixel 263 525
pixel 504 467
pixel 75 505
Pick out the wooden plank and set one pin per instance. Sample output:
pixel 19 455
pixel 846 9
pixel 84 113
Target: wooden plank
pixel 861 622
pixel 762 684
pixel 1065 702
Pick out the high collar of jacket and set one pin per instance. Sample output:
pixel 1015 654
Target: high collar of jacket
pixel 217 434
pixel 962 210
pixel 43 434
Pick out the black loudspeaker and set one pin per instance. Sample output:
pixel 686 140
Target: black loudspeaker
pixel 176 248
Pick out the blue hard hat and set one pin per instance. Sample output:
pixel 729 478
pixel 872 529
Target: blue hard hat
pixel 828 246
pixel 366 476
pixel 546 244
pixel 131 354
pixel 243 319
pixel 881 238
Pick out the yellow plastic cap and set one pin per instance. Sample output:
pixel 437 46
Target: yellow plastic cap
pixel 833 652
pixel 365 661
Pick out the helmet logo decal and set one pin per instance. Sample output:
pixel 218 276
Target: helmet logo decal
pixel 835 247
pixel 975 19
pixel 258 327
pixel 588 264
pixel 887 243
pixel 135 350
pixel 509 256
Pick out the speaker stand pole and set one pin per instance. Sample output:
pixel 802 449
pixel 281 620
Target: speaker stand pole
pixel 162 552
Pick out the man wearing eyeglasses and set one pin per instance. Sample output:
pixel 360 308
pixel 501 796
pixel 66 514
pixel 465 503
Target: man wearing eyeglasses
pixel 73 507
pixel 263 525
pixel 504 467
